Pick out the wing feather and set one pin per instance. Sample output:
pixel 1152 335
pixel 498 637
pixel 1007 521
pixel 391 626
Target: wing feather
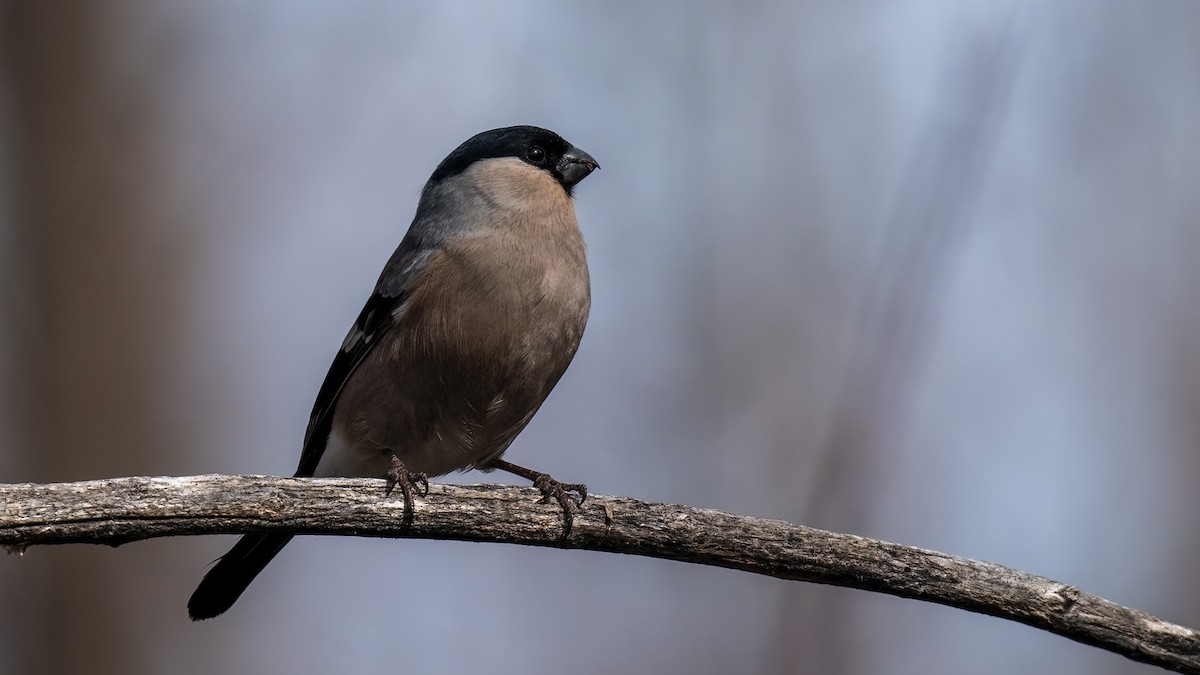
pixel 382 311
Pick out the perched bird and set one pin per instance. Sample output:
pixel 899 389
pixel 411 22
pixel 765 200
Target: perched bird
pixel 472 322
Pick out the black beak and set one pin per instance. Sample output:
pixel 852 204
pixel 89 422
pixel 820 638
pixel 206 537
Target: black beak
pixel 575 165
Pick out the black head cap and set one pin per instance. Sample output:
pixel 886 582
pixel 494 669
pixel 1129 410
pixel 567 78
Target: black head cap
pixel 535 146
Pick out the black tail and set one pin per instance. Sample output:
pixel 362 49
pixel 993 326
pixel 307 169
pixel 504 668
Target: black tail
pixel 234 571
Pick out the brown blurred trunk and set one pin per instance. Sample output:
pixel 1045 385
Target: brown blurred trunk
pixel 95 320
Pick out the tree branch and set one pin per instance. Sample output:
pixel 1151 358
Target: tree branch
pixel 119 510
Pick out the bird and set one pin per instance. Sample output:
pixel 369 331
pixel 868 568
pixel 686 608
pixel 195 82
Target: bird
pixel 473 320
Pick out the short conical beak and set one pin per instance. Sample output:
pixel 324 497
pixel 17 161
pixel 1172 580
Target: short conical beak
pixel 575 165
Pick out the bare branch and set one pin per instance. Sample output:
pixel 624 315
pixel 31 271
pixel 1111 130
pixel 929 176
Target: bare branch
pixel 119 510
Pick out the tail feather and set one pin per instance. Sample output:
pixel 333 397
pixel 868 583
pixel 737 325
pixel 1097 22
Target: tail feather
pixel 233 572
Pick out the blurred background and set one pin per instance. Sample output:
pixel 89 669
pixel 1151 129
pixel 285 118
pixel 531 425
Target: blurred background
pixel 922 271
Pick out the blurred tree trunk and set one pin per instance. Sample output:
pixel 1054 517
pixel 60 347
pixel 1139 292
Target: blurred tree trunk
pixel 95 318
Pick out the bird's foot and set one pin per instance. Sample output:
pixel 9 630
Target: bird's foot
pixel 561 492
pixel 408 481
pixel 551 489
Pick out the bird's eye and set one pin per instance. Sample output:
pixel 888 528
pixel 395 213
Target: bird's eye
pixel 536 154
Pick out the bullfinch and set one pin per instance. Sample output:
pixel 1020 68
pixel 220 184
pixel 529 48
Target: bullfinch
pixel 472 322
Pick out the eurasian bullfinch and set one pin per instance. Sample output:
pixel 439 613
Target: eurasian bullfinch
pixel 472 322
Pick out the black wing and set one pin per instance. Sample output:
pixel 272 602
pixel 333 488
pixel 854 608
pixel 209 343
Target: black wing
pixel 375 320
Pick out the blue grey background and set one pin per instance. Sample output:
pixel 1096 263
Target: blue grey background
pixel 922 271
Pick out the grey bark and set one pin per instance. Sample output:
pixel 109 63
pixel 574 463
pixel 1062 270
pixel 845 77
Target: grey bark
pixel 119 510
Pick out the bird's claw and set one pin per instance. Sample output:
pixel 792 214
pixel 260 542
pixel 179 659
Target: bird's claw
pixel 560 492
pixel 399 475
